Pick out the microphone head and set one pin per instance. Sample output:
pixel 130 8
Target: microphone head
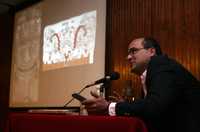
pixel 114 76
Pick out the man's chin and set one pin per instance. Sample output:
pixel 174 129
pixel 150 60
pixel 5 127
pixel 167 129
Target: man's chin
pixel 135 69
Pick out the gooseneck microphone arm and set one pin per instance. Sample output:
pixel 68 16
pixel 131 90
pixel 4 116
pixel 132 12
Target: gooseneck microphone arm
pixel 73 98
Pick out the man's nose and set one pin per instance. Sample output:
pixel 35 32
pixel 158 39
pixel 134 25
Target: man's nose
pixel 129 57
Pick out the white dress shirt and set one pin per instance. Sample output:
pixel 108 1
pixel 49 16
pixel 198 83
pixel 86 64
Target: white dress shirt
pixel 143 80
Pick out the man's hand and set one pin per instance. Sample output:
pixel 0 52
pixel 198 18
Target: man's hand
pixel 116 97
pixel 98 105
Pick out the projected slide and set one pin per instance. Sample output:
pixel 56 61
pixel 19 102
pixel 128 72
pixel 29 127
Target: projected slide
pixel 70 42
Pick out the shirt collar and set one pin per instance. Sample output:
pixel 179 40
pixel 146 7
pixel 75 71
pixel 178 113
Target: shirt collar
pixel 144 74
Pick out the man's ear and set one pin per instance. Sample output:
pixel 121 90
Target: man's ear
pixel 152 51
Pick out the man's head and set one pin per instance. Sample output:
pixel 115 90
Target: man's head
pixel 140 52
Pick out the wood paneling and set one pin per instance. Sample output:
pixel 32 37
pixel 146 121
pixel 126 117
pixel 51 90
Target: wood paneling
pixel 174 23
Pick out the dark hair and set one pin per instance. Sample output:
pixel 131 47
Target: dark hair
pixel 152 43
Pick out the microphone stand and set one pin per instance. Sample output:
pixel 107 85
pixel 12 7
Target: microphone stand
pixel 102 89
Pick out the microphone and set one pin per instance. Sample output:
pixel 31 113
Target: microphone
pixel 112 76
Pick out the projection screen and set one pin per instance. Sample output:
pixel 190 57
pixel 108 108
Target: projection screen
pixel 58 48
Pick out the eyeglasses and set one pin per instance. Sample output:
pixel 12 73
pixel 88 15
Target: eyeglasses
pixel 134 50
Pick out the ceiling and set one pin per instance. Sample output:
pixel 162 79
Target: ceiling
pixel 15 5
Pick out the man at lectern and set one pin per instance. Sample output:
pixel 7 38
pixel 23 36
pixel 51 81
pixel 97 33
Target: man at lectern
pixel 171 100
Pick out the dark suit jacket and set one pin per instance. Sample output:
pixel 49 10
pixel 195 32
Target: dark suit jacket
pixel 172 103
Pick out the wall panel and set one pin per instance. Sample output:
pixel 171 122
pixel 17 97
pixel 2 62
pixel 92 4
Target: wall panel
pixel 174 23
